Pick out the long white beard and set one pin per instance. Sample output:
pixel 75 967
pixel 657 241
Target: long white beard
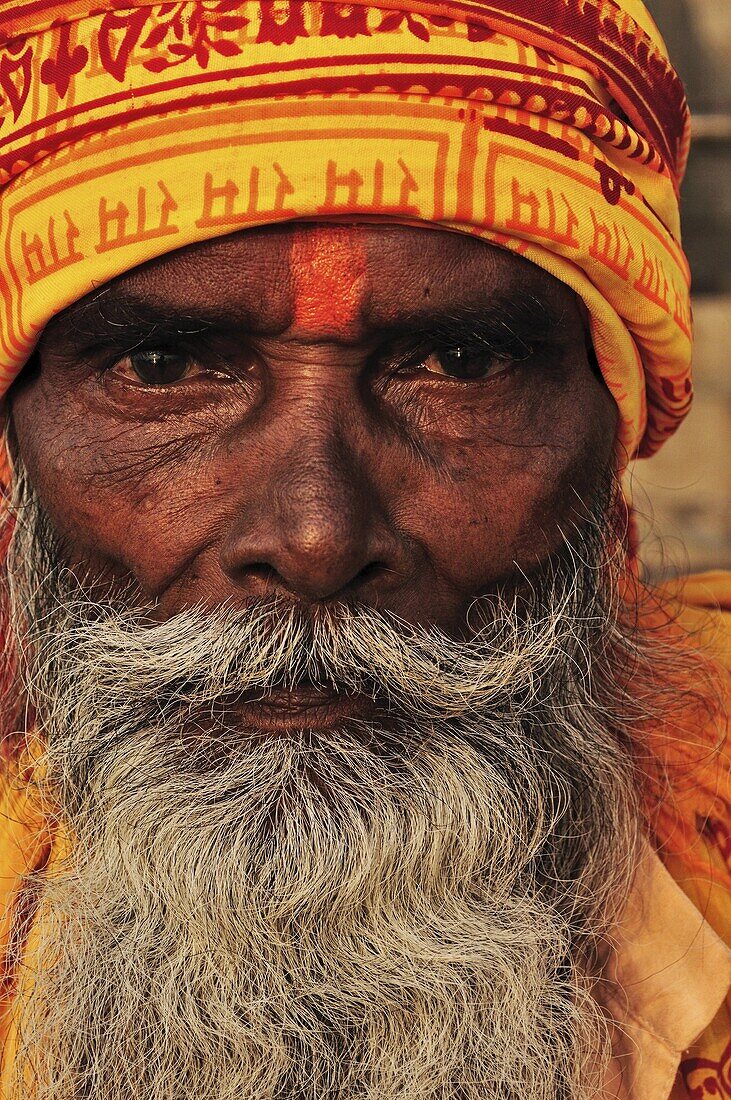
pixel 404 911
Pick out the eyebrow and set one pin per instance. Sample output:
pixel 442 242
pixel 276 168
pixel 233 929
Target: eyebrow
pixel 527 318
pixel 114 318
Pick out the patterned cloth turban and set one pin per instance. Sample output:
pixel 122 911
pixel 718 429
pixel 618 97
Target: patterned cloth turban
pixel 555 128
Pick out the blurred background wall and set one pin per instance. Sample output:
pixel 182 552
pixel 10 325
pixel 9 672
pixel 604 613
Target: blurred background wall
pixel 683 495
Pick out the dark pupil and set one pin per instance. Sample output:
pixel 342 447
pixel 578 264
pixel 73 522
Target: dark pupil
pixel 461 363
pixel 158 367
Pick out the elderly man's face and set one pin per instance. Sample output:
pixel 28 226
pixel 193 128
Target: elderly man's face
pixel 398 895
pixel 395 416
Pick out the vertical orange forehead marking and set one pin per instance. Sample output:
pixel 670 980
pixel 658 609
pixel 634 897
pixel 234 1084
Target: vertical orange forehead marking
pixel 328 270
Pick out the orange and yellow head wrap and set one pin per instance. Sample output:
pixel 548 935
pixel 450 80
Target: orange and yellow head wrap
pixel 556 128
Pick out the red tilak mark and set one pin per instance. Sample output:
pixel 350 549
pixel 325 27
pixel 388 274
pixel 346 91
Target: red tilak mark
pixel 328 266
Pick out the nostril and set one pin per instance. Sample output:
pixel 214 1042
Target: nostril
pixel 373 569
pixel 263 572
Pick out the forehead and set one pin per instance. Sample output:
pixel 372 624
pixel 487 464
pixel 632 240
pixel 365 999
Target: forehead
pixel 272 278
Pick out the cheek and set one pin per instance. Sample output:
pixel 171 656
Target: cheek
pixel 123 497
pixel 501 502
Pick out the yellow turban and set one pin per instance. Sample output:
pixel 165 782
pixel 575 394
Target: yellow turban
pixel 555 128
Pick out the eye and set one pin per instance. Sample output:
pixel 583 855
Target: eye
pixel 156 367
pixel 463 362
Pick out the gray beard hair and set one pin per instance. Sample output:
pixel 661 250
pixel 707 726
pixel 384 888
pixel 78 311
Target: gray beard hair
pixel 405 910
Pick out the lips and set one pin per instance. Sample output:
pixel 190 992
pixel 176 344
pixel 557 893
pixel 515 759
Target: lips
pixel 311 706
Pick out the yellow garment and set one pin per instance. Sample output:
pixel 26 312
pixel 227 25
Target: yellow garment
pixel 694 831
pixel 672 973
pixel 670 958
pixel 555 128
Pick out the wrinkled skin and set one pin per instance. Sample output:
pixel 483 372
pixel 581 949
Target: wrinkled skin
pixel 312 444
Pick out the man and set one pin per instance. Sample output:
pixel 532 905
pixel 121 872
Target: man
pixel 345 753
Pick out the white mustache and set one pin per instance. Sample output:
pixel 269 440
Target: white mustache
pixel 202 658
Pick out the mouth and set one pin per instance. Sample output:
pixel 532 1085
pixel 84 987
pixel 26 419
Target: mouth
pixel 284 709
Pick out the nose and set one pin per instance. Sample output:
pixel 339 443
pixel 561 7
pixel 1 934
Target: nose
pixel 315 525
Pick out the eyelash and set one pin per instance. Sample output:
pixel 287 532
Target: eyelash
pixel 200 353
pixel 473 344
